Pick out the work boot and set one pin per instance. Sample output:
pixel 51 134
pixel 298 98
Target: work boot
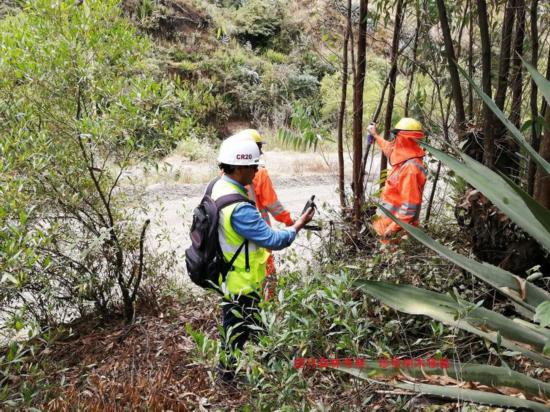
pixel 227 377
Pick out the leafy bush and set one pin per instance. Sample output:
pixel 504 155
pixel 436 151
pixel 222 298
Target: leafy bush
pixel 275 57
pixel 258 21
pixel 303 85
pixel 527 334
pixel 251 87
pixel 78 101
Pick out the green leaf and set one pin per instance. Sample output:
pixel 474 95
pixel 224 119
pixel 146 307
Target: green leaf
pixel 516 134
pixel 542 83
pixel 502 280
pixel 543 314
pixel 494 376
pixel 463 315
pixel 470 395
pixel 510 199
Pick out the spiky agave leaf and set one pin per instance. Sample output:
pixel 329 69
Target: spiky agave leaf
pixel 454 392
pixel 525 211
pixel 524 293
pixel 493 376
pixel 460 314
pixel 516 134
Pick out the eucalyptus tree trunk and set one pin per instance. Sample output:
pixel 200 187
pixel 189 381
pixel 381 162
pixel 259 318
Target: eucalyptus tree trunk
pixel 381 100
pixel 504 59
pixel 460 117
pixel 341 177
pixel 535 139
pixel 392 79
pixel 511 148
pixel 375 120
pixel 542 180
pixel 488 136
pixel 517 66
pixel 358 87
pixel 445 113
pixel 544 103
pixel 413 70
pixel 471 61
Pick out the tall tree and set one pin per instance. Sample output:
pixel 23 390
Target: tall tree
pixel 535 139
pixel 341 177
pixel 358 88
pixel 542 180
pixel 488 137
pixel 517 66
pixel 392 78
pixel 460 119
pixel 505 45
pixel 470 61
pixel 413 69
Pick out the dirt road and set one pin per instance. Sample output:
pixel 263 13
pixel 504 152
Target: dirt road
pixel 296 176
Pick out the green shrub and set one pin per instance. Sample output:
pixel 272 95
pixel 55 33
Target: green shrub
pixel 303 85
pixel 258 21
pixel 275 57
pixel 78 98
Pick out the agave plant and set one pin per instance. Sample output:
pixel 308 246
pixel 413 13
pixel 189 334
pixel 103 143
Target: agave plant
pixel 459 375
pixel 533 303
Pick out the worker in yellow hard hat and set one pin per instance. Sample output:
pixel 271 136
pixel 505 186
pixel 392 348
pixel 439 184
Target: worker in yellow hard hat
pixel 402 194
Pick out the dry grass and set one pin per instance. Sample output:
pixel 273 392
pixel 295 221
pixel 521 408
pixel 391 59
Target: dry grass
pixel 152 366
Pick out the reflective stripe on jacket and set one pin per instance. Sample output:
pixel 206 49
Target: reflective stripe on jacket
pixel 239 280
pixel 262 192
pixel 402 194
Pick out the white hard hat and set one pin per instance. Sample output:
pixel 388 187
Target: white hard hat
pixel 239 152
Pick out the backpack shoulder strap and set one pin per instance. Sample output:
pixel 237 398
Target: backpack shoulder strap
pixel 211 186
pixel 226 200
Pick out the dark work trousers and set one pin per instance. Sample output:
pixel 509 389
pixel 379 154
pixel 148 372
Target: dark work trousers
pixel 236 328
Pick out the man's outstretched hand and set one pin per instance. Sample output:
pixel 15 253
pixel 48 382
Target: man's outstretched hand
pixel 371 128
pixel 304 219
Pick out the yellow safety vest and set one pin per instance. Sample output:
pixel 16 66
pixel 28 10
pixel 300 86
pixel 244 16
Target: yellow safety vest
pixel 239 280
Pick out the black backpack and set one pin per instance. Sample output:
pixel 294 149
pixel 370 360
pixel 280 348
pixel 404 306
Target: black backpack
pixel 204 258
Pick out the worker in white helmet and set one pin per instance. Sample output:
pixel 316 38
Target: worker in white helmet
pixel 238 222
pixel 262 192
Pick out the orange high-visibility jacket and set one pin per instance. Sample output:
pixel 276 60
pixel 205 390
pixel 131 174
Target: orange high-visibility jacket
pixel 402 194
pixel 261 191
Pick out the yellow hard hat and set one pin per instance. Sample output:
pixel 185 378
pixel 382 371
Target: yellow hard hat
pixel 407 123
pixel 252 134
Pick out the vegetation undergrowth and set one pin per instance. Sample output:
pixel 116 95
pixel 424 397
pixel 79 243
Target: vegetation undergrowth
pixel 321 314
pixel 91 317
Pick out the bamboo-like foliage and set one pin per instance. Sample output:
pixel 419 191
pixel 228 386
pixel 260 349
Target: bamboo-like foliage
pixel 530 339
